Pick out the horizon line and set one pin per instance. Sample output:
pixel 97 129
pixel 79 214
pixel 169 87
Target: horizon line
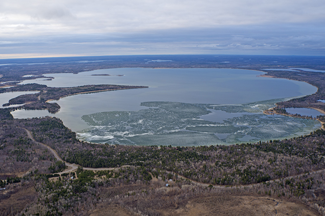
pixel 40 56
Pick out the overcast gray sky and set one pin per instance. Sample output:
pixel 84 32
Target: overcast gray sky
pixel 39 28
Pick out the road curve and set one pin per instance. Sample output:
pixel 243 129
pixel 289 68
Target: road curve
pixel 73 167
pixel 30 136
pixel 70 167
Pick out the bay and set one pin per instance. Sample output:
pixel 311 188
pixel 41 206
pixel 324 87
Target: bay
pixel 304 112
pixel 181 106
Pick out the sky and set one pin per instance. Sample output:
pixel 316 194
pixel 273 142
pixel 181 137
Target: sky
pixel 39 28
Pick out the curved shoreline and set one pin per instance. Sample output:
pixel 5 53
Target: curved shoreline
pixel 272 111
pixel 265 74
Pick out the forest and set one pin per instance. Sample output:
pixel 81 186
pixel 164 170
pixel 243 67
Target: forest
pixel 93 178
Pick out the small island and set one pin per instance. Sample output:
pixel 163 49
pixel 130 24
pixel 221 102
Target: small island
pixel 101 75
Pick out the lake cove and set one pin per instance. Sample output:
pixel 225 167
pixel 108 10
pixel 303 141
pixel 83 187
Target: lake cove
pixel 304 112
pixel 184 107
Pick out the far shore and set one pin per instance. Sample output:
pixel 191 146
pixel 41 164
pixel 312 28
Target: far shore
pixel 264 75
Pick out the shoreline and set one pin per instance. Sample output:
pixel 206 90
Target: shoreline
pixel 265 74
pixel 90 92
pixel 322 122
pixel 271 111
pixel 39 101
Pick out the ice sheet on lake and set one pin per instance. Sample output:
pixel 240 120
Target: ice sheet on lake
pixel 185 124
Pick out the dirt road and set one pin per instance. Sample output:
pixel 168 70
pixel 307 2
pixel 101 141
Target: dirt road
pixel 70 167
pixel 74 167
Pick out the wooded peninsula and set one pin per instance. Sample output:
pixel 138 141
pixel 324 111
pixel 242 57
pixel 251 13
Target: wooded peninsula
pixel 39 101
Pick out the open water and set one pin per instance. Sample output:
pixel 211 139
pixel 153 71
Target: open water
pixel 181 107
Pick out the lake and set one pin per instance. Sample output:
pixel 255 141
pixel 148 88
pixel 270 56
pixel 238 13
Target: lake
pixel 181 106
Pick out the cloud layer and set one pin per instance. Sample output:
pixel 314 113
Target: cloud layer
pixel 108 27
